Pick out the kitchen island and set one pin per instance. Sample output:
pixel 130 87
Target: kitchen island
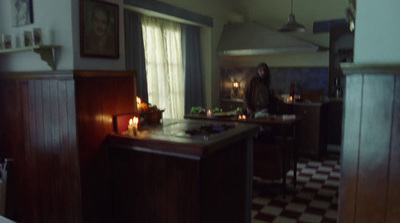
pixel 183 171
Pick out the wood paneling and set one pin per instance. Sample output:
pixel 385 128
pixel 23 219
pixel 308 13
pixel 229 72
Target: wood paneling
pixel 99 96
pixel 152 187
pixel 35 133
pixel 52 124
pixel 349 157
pixel 370 169
pixel 374 153
pixel 393 195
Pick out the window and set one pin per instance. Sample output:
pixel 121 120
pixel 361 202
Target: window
pixel 164 67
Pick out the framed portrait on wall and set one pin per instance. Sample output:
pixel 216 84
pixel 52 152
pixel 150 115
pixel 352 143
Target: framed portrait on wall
pixel 21 12
pixel 99 35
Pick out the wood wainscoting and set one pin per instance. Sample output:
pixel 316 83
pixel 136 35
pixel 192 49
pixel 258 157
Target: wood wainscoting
pixel 52 125
pixel 370 168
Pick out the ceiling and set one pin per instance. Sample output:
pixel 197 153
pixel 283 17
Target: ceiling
pixel 274 13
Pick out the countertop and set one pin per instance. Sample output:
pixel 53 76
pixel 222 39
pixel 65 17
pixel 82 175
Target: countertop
pixel 309 103
pixel 172 137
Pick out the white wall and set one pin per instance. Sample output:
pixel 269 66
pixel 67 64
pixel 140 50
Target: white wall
pixel 377 33
pixel 53 17
pixel 310 59
pixel 59 21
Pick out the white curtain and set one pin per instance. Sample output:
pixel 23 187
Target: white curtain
pixel 164 68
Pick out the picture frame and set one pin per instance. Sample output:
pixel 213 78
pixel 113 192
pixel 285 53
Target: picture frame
pixel 21 12
pixel 99 31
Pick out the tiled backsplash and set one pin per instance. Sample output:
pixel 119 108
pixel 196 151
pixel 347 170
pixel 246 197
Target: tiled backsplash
pixel 312 78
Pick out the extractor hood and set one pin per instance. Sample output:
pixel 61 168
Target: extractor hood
pixel 251 38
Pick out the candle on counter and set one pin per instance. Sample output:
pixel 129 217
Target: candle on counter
pixel 135 125
pixel 243 117
pixel 289 100
pixel 130 127
pixel 240 117
pixel 138 103
pixel 209 113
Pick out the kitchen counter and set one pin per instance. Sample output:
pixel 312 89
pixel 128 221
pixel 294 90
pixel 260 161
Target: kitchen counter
pixel 185 137
pixel 183 171
pixel 309 103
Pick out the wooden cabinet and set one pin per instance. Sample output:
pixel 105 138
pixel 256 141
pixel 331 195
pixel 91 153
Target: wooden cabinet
pixel 163 177
pixel 231 104
pixel 311 132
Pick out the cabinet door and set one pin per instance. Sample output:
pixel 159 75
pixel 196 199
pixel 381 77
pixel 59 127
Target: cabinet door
pixel 307 132
pixel 335 117
pixel 229 105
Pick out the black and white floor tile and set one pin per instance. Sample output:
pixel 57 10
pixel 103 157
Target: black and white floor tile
pixel 313 200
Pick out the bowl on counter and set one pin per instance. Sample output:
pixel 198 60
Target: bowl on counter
pixel 152 117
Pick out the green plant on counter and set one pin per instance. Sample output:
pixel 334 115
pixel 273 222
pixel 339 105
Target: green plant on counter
pixel 239 110
pixel 197 110
pixel 216 110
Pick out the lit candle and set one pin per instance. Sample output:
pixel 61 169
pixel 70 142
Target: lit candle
pixel 289 99
pixel 130 127
pixel 244 117
pixel 138 103
pixel 240 117
pixel 208 113
pixel 135 124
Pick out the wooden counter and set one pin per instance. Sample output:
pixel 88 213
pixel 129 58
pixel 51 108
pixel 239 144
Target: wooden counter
pixel 165 175
pixel 312 129
pixel 271 161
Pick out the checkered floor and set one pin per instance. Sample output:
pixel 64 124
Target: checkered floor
pixel 315 198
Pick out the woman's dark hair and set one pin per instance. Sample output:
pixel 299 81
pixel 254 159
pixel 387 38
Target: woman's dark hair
pixel 261 65
pixel 268 74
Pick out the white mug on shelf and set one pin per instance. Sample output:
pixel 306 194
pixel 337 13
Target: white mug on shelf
pixel 5 41
pixel 37 36
pixel 28 38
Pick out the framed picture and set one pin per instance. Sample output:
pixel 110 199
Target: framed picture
pixel 99 29
pixel 21 12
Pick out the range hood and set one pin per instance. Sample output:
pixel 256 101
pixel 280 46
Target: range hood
pixel 250 38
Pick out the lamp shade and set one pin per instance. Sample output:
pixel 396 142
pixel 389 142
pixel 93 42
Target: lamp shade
pixel 292 25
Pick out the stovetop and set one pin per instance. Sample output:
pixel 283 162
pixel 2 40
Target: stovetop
pixel 210 129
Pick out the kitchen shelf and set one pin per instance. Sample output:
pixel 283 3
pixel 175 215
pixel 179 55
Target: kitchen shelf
pixel 46 52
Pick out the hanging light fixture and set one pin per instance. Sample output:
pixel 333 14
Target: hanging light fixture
pixel 292 25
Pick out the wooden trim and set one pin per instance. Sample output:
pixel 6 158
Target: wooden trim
pixel 353 68
pixel 103 73
pixel 64 75
pixel 59 75
pixel 159 8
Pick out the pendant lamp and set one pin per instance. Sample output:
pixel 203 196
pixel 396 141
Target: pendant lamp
pixel 292 25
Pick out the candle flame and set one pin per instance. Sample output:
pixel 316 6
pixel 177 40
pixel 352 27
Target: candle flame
pixel 135 120
pixel 130 121
pixel 138 100
pixel 244 117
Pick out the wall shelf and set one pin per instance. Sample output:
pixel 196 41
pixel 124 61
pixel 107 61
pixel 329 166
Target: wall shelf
pixel 46 52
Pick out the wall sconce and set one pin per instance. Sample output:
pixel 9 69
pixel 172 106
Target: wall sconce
pixel 235 85
pixel 235 88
